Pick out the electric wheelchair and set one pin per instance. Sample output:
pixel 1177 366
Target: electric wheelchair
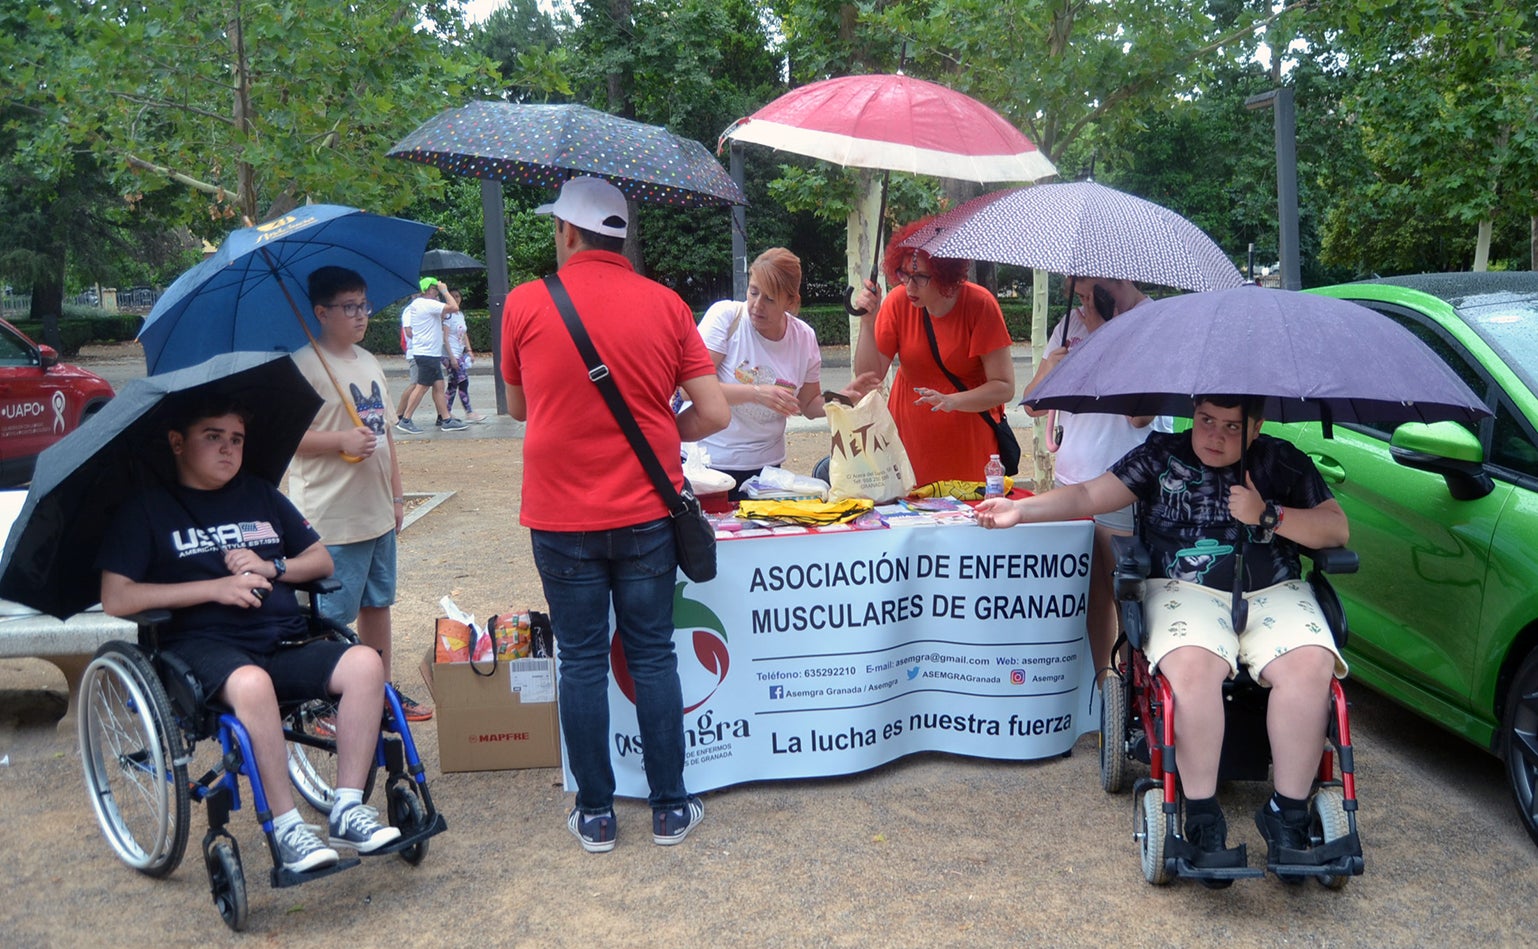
pixel 141 713
pixel 1137 723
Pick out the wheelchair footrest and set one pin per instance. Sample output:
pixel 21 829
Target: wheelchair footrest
pixel 1185 860
pixel 434 827
pixel 281 876
pixel 1339 857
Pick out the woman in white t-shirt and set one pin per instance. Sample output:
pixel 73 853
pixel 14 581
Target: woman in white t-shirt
pixel 1091 442
pixel 769 365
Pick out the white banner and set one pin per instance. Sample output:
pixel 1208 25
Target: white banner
pixel 813 655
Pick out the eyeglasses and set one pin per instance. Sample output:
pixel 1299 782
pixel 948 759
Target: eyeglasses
pixel 352 311
pixel 918 280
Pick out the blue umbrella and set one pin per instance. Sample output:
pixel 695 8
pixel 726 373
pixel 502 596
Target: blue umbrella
pixel 252 295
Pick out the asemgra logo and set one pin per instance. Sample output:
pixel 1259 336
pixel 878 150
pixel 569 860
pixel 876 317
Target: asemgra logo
pixel 699 679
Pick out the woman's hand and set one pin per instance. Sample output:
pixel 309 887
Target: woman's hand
pixel 936 400
pixel 867 299
pixel 862 385
pixel 776 398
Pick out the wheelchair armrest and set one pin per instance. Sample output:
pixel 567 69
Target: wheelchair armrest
pixel 1333 559
pixel 319 585
pixel 148 618
pixel 1133 565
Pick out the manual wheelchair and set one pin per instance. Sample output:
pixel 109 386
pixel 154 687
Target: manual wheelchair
pixel 1137 723
pixel 141 713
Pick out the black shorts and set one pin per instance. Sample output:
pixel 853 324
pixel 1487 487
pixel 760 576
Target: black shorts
pixel 429 369
pixel 299 673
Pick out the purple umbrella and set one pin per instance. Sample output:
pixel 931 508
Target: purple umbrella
pixel 1311 356
pixel 1081 229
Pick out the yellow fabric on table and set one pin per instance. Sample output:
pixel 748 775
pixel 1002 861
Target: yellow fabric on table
pixel 806 512
pixel 960 490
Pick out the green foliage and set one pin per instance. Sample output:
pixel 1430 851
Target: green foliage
pixel 81 325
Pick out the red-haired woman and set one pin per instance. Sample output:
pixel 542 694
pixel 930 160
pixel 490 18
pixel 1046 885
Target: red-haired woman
pixel 939 426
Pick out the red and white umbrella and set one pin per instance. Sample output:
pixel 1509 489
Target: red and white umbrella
pixel 895 123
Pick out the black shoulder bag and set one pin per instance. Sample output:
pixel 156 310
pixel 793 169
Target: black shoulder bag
pixel 693 535
pixel 1009 446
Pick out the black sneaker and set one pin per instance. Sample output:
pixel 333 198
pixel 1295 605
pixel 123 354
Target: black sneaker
pixel 596 832
pixel 1208 833
pixel 1282 831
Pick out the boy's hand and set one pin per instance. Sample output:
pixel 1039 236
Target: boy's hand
pixel 359 442
pixel 998 512
pixel 245 590
pixel 1245 504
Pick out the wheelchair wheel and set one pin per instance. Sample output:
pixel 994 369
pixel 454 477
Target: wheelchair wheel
pixel 312 754
pixel 1113 733
pixel 407 813
pixel 1150 835
pixel 1329 822
pixel 134 760
pixel 227 882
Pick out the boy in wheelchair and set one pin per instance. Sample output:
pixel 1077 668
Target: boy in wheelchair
pixel 219 550
pixel 1193 510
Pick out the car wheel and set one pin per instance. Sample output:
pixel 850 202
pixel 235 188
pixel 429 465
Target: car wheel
pixel 1519 742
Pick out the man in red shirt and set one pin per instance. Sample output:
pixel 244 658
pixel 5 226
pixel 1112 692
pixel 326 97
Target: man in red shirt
pixel 601 532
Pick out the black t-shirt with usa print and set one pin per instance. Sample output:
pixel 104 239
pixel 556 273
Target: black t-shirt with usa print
pixel 1183 505
pixel 179 534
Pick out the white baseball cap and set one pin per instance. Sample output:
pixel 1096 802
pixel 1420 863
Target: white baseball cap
pixel 592 204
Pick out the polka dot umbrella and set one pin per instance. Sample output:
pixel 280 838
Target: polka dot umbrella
pixel 546 144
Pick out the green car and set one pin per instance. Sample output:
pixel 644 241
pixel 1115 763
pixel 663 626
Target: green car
pixel 1444 613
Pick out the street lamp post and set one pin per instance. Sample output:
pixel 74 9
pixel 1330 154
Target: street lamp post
pixel 1280 103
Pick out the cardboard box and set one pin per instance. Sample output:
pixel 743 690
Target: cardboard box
pixel 484 725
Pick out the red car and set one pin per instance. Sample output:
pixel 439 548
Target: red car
pixel 41 401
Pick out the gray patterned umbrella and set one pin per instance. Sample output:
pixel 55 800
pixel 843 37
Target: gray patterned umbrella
pixel 1083 229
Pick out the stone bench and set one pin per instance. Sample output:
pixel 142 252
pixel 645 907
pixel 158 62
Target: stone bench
pixel 68 644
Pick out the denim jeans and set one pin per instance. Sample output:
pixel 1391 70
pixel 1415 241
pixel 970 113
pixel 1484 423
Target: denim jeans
pixel 634 568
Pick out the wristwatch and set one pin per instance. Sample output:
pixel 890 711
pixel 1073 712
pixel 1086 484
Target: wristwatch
pixel 279 567
pixel 1270 517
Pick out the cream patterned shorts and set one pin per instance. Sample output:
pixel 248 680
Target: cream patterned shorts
pixel 1281 618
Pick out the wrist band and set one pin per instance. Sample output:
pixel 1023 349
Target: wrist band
pixel 399 500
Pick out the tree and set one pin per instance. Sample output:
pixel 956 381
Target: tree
pixel 1442 112
pixel 247 109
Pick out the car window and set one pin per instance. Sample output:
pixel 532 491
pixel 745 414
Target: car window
pixel 14 350
pixel 1440 343
pixel 1513 446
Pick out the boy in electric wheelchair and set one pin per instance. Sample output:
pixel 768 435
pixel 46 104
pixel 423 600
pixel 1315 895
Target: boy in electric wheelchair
pixel 1193 510
pixel 219 550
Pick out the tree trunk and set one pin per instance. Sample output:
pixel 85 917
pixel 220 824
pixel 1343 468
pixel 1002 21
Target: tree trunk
pixel 1532 242
pixel 48 304
pixel 245 174
pixel 1482 246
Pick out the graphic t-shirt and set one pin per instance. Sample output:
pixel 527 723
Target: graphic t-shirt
pixel 756 435
pixel 346 502
pixel 1186 523
pixel 179 534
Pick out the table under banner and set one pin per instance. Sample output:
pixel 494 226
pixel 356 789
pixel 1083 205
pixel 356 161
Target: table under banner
pixel 832 653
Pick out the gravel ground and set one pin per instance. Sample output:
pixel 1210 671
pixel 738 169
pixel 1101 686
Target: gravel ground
pixel 931 850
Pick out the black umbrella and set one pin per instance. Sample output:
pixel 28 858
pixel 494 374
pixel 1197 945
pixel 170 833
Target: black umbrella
pixel 449 263
pixel 546 144
pixel 82 479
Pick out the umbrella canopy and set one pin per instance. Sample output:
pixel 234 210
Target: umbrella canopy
pixel 1082 229
pixel 252 294
pixel 895 123
pixel 546 144
pixel 449 263
pixel 1312 357
pixel 83 478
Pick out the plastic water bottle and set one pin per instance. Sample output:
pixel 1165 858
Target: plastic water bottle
pixel 993 478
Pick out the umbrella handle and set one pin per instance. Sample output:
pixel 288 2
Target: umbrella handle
pixel 352 410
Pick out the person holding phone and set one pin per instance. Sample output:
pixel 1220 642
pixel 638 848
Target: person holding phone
pixel 1088 444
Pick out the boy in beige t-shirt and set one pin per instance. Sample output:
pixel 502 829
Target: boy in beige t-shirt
pixel 345 477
